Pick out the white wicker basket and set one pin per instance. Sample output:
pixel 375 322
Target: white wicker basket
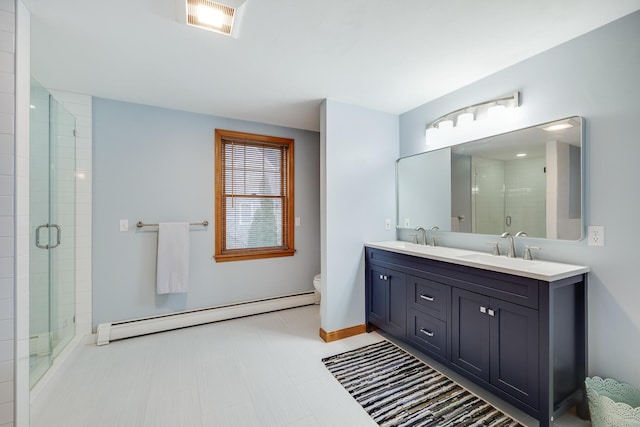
pixel 612 403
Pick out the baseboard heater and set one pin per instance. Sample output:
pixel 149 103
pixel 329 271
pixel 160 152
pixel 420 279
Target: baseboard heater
pixel 107 332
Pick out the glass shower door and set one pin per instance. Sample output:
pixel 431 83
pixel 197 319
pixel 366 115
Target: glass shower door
pixel 52 231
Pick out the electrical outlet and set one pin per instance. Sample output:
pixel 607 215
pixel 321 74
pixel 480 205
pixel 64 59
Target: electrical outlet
pixel 407 223
pixel 387 224
pixel 124 225
pixel 595 235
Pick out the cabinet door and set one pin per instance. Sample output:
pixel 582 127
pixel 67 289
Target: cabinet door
pixel 397 303
pixel 514 350
pixel 470 329
pixel 377 296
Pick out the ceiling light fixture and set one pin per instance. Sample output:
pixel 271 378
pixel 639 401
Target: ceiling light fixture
pixel 477 111
pixel 213 16
pixel 210 16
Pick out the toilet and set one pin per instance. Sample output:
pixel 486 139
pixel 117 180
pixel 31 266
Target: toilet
pixel 317 282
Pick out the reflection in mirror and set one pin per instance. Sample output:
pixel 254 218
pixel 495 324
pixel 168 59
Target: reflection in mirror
pixel 528 180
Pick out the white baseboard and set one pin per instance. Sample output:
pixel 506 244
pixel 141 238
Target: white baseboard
pixel 107 332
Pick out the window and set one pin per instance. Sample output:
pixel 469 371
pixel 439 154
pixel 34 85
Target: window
pixel 254 196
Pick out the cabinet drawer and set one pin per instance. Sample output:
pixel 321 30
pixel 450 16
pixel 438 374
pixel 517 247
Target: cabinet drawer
pixel 428 333
pixel 429 297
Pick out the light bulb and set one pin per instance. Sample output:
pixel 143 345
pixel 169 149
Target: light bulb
pixel 465 119
pixel 496 110
pixel 445 124
pixel 209 16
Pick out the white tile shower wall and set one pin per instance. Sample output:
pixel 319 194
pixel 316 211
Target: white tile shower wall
pixel 487 196
pixel 526 196
pixel 81 107
pixel 22 242
pixel 7 218
pixel 516 189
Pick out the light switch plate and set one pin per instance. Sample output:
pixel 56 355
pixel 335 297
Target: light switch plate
pixel 387 224
pixel 297 221
pixel 124 225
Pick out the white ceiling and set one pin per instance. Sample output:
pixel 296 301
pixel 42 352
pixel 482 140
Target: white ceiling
pixel 385 55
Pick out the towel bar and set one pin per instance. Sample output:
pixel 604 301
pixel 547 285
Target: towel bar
pixel 140 224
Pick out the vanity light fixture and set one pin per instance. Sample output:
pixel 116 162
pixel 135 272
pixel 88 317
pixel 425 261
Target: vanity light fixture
pixel 476 111
pixel 213 16
pixel 521 155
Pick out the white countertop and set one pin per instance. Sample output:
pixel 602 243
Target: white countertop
pixel 535 269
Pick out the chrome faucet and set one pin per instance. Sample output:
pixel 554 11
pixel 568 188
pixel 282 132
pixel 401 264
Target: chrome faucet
pixel 511 253
pixel 521 234
pixel 433 238
pixel 424 234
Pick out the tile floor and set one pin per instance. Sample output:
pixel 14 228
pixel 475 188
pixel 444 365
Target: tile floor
pixel 262 370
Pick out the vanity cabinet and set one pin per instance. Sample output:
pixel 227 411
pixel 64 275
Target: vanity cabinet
pixel 386 299
pixel 520 338
pixel 496 341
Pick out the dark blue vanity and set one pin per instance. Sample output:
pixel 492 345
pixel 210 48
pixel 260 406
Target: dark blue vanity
pixel 519 336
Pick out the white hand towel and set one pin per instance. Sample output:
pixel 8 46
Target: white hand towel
pixel 172 274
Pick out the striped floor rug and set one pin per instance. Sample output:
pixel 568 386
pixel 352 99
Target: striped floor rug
pixel 396 389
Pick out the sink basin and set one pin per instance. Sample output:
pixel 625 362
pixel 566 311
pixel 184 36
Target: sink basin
pixel 500 261
pixel 412 248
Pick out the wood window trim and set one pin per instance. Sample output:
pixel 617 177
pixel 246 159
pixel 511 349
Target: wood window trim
pixel 288 249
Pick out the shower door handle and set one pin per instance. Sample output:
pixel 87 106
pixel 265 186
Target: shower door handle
pixel 58 236
pixel 38 236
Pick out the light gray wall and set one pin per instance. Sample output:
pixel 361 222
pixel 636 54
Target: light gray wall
pixel 358 151
pixel 156 165
pixel 594 76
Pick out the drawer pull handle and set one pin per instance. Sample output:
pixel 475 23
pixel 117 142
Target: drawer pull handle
pixel 427 333
pixel 492 313
pixel 427 297
pixel 483 309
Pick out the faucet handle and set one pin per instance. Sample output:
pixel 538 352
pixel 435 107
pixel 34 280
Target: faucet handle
pixel 414 238
pixel 496 248
pixel 527 251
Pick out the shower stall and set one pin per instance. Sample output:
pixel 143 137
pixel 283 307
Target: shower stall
pixel 52 187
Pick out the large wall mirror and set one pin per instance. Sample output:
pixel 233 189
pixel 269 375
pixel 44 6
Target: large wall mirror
pixel 527 180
